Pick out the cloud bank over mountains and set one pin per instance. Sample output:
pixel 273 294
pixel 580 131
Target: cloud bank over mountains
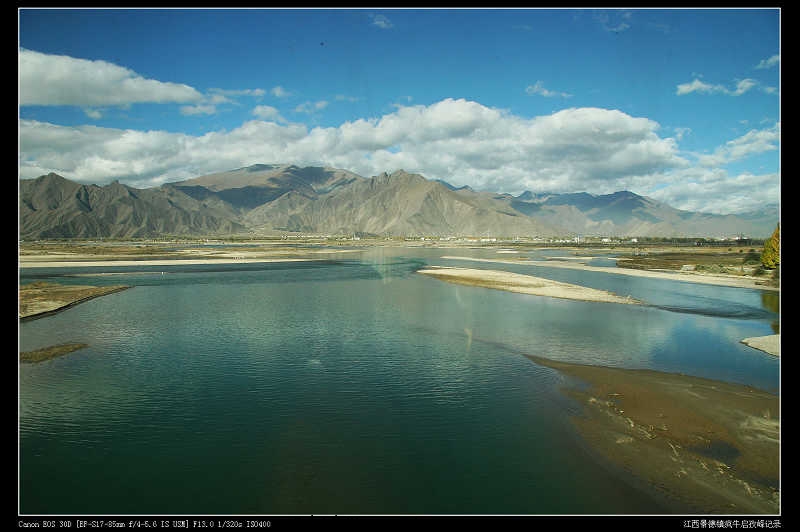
pixel 457 140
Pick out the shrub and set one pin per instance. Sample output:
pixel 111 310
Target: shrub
pixel 771 255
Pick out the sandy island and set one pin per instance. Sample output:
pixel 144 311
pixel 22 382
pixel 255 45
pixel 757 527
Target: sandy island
pixel 769 344
pixel 40 299
pixel 524 284
pixel 706 446
pixel 688 276
pixel 40 355
pixel 128 256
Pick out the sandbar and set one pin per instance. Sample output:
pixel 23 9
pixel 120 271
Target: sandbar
pixel 689 277
pixel 770 344
pixel 706 446
pixel 40 355
pixel 41 299
pixel 524 284
pixel 153 262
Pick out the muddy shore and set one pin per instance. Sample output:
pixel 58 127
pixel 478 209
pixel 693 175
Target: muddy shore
pixel 708 446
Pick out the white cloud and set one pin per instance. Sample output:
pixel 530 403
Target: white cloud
pixel 311 107
pixel 714 191
pixel 699 86
pixel 266 112
pixel 94 114
pixel 256 93
pixel 381 21
pixel 62 80
pixel 696 85
pixel 538 88
pixel 189 110
pixel 769 63
pixel 280 92
pixel 753 142
pixel 744 86
pixel 681 132
pixel 460 141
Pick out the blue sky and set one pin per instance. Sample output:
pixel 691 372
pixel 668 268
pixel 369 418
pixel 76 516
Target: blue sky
pixel 679 105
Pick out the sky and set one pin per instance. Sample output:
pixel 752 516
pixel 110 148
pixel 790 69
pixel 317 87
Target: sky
pixel 679 105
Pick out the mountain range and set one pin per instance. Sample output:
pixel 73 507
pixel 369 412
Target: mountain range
pixel 273 199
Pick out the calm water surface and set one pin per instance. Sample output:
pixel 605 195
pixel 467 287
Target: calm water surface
pixel 348 386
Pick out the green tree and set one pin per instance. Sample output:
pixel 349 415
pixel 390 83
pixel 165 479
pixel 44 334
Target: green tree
pixel 771 256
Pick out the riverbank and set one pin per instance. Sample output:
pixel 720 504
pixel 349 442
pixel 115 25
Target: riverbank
pixel 524 284
pixel 709 446
pixel 688 276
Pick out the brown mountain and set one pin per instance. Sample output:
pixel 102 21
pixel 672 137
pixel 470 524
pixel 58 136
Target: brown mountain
pixel 274 199
pixel 54 207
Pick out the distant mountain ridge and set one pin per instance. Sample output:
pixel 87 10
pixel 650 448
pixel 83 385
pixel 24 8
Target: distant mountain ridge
pixel 269 199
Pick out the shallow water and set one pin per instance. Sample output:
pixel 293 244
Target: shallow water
pixel 348 386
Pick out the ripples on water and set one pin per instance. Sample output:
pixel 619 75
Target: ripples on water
pixel 347 387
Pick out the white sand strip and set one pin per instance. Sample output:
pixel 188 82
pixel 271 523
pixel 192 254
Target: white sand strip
pixel 159 262
pixel 689 277
pixel 524 284
pixel 769 344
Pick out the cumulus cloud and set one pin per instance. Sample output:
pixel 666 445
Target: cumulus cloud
pixel 753 142
pixel 460 141
pixel 280 92
pixel 267 112
pixel 769 63
pixel 46 79
pixel 742 86
pixel 538 88
pixel 715 191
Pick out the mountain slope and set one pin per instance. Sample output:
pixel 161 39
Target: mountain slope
pixel 394 204
pixel 627 214
pixel 255 185
pixel 273 199
pixel 54 207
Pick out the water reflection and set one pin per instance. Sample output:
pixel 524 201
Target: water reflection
pixel 772 302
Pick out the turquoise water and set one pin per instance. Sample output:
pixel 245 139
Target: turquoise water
pixel 347 386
